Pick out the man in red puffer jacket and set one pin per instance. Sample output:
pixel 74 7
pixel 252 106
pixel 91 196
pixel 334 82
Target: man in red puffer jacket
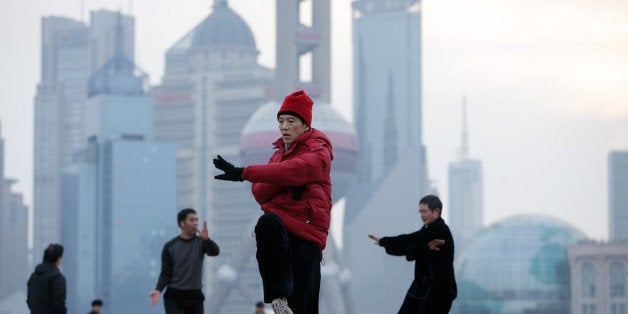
pixel 294 191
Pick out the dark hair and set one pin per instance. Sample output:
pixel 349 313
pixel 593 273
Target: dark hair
pixel 97 302
pixel 53 252
pixel 183 215
pixel 292 113
pixel 259 304
pixel 432 202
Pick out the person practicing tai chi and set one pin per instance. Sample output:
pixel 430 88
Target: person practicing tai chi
pixel 182 267
pixel 46 287
pixel 294 191
pixel 432 249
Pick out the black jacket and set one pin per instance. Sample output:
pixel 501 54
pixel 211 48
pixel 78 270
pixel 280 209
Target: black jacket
pixel 433 270
pixel 46 290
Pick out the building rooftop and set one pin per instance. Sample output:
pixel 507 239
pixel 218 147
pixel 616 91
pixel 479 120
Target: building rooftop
pixel 223 27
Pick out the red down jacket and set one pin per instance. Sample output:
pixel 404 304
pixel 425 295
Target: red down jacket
pixel 307 162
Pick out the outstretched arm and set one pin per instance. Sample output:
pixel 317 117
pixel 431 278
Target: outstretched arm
pixel 410 245
pixel 232 173
pixel 375 238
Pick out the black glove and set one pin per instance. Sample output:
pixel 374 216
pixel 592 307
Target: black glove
pixel 232 173
pixel 297 192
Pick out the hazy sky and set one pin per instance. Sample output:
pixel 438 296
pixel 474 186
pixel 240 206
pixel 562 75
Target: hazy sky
pixel 546 85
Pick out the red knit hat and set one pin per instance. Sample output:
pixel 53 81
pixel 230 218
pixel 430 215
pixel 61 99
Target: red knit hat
pixel 298 103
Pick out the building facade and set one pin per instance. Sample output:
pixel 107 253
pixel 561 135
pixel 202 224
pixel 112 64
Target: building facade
pixel 386 92
pixel 70 52
pixel 618 195
pixel 599 277
pixel 391 168
pixel 14 263
pixel 119 196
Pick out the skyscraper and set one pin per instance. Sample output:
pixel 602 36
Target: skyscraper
pixel 466 212
pixel 14 266
pixel 70 52
pixel 387 90
pixel 392 173
pixel 211 86
pixel 119 195
pixel 58 119
pixel 618 195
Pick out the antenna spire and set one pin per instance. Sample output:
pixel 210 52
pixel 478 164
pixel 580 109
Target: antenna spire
pixel 464 143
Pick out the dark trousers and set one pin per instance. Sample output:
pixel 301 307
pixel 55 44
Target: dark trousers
pixel 289 265
pixel 183 301
pixel 435 303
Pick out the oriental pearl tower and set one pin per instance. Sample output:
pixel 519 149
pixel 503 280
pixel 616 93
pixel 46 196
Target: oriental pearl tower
pixel 294 40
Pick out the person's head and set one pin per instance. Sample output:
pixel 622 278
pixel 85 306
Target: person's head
pixel 259 307
pixel 53 253
pixel 294 116
pixel 430 208
pixel 96 305
pixel 188 222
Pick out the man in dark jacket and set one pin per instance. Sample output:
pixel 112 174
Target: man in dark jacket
pixel 46 286
pixel 432 248
pixel 294 191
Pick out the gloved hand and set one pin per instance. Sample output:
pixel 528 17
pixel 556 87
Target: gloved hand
pixel 232 173
pixel 297 192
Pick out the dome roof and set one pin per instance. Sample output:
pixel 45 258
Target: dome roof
pixel 223 27
pixel 517 264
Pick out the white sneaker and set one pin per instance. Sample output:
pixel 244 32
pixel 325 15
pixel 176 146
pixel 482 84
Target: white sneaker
pixel 280 306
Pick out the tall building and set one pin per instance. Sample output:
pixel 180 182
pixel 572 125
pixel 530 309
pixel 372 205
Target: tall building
pixel 392 174
pixel 387 91
pixel 466 212
pixel 212 84
pixel 14 266
pixel 618 195
pixel 599 277
pixel 70 52
pixel 119 196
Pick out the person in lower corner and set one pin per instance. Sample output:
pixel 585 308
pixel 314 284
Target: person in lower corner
pixel 432 249
pixel 96 306
pixel 46 285
pixel 294 191
pixel 182 267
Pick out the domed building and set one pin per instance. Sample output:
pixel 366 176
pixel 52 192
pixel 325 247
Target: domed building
pixel 262 130
pixel 212 84
pixel 517 265
pixel 223 28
